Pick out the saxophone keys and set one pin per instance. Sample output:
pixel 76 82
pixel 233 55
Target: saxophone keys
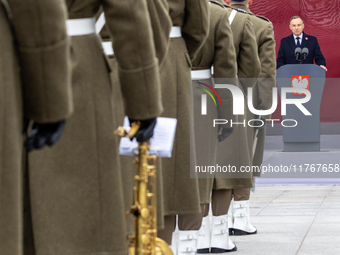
pixel 145 213
pixel 151 157
pixel 145 239
pixel 151 168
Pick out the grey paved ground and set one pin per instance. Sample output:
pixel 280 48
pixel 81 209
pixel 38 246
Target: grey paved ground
pixel 302 220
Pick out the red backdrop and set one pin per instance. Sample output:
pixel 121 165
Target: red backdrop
pixel 322 20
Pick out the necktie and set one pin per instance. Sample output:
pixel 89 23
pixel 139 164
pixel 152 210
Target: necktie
pixel 298 41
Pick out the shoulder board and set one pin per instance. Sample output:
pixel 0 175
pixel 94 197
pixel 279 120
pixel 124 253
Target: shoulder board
pixel 261 17
pixel 216 2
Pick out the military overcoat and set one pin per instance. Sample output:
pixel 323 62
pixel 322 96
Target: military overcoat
pixel 217 51
pixel 77 202
pixel 161 25
pixel 34 82
pixel 235 150
pixel 262 91
pixel 181 194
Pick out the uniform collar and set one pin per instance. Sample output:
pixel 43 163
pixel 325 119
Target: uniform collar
pixel 241 6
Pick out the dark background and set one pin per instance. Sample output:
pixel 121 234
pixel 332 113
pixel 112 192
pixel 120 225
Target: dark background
pixel 322 19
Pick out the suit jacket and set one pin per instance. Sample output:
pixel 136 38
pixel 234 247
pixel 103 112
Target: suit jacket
pixel 287 48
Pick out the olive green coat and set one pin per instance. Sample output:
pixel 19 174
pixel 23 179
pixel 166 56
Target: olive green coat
pixel 42 93
pixel 218 51
pixel 262 92
pixel 77 184
pixel 161 25
pixel 181 195
pixel 235 150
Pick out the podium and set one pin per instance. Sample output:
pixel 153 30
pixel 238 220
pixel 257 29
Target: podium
pixel 305 137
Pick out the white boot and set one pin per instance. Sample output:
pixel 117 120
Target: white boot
pixel 187 242
pixel 174 251
pixel 174 242
pixel 231 218
pixel 203 241
pixel 242 225
pixel 220 241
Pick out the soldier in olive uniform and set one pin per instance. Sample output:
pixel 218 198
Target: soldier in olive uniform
pixel 234 150
pixel 161 26
pixel 218 51
pixel 35 82
pixel 181 195
pixel 77 201
pixel 262 100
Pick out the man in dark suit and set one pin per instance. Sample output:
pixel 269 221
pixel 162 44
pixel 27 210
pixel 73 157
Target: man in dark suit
pixel 300 39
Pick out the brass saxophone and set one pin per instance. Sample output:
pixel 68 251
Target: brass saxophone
pixel 145 240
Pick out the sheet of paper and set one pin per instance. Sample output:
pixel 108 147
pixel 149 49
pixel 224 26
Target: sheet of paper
pixel 161 142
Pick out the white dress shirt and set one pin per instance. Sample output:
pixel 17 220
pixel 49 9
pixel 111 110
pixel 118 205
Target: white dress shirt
pixel 301 36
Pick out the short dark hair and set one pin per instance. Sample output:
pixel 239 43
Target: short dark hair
pixel 295 17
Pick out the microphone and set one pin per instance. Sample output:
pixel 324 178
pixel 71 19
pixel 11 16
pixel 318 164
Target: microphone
pixel 298 53
pixel 305 52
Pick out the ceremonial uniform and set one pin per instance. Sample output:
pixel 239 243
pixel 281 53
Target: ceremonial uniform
pixel 218 51
pixel 235 151
pixel 181 194
pixel 78 202
pixel 190 24
pixel 262 91
pixel 35 83
pixel 161 25
pixel 262 100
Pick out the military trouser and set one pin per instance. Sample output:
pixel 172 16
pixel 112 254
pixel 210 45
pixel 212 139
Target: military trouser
pixel 241 194
pixel 185 222
pixel 220 200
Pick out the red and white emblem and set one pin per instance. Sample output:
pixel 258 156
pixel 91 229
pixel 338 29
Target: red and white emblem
pixel 301 82
pixel 306 38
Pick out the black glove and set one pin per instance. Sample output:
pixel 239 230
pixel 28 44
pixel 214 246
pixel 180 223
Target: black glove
pixel 224 133
pixel 258 127
pixel 145 132
pixel 44 134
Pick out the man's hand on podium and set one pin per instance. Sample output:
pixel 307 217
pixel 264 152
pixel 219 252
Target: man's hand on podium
pixel 324 67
